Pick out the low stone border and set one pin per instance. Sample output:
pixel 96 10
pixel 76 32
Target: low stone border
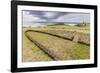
pixel 44 49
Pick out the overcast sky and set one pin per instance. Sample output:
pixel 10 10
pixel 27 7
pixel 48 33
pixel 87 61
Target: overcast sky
pixel 40 17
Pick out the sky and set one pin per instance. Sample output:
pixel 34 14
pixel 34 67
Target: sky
pixel 39 18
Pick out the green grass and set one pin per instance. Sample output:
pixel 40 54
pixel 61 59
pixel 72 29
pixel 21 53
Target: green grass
pixel 84 29
pixel 81 51
pixel 31 52
pixel 63 49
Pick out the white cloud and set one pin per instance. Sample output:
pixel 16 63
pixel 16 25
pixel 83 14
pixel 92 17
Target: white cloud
pixel 72 17
pixel 50 14
pixel 29 18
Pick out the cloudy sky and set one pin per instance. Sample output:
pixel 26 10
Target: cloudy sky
pixel 37 18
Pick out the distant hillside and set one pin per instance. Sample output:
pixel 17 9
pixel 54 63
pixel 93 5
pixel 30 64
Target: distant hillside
pixel 57 24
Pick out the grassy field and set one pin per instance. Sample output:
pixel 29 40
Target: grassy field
pixel 62 49
pixel 31 52
pixel 82 32
pixel 83 29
